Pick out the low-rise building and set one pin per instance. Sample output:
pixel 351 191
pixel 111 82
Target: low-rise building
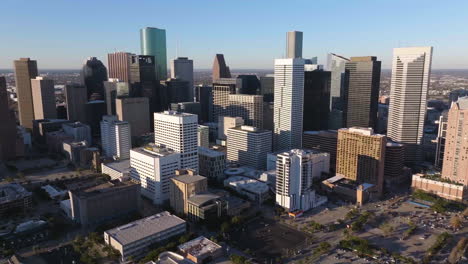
pixel 439 186
pixel 14 197
pixel 201 250
pixel 72 151
pixel 117 169
pixel 211 163
pixel 339 186
pixel 183 186
pixel 134 239
pixel 255 190
pixel 205 206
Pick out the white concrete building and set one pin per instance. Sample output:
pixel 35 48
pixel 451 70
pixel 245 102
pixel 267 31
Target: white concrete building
pixel 115 138
pixel 288 105
pixel 295 170
pixel 203 136
pixel 178 131
pixel 227 122
pixel 248 146
pixel 117 170
pixel 255 190
pixel 411 72
pixel 153 167
pixel 135 238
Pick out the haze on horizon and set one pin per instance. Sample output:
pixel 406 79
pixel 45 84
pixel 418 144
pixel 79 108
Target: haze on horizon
pixel 251 34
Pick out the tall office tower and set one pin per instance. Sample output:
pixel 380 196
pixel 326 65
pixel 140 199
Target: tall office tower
pixel 78 131
pixel 119 65
pixel 182 68
pixel 325 141
pixel 153 42
pixel 455 167
pixel 221 90
pixel 408 95
pixel 184 185
pixel 289 103
pixel 178 90
pixel 360 156
pixel 441 136
pixel 43 95
pixel 203 136
pixel 249 107
pixel 248 146
pixel 115 138
pixel 247 84
pixel 227 122
pixel 94 111
pixel 76 98
pixel 220 70
pixel 178 131
pixel 336 64
pixel 110 94
pixel 93 76
pixel 267 87
pixel 268 115
pixel 133 110
pixel 25 70
pixel 204 96
pixel 295 171
pixel 294 44
pixel 8 127
pixel 394 161
pixel 316 99
pixel 153 168
pixel 363 91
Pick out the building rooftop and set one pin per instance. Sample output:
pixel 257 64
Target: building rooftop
pixel 303 152
pixel 210 152
pixel 174 113
pixel 102 188
pixel 154 151
pixel 248 184
pixel 11 192
pixel 120 166
pixel 145 227
pixel 75 125
pixel 367 131
pixel 199 246
pixel 249 129
pixel 463 102
pixel 202 198
pixel 326 133
pixel 188 178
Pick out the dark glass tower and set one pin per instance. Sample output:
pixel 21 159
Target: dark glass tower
pixel 93 76
pixel 247 84
pixel 267 85
pixel 316 100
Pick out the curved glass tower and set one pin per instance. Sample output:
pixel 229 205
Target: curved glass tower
pixel 153 42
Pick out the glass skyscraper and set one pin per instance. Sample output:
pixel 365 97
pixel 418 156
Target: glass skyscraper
pixel 153 42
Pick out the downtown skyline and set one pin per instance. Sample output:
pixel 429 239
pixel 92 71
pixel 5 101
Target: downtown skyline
pixel 252 41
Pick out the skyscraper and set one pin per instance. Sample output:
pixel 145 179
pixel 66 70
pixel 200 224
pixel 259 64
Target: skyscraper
pixel 221 90
pixel 76 98
pixel 294 44
pixel 110 94
pixel 25 70
pixel 408 98
pixel 133 110
pixel 220 70
pixel 249 107
pixel 43 94
pixel 316 99
pixel 119 65
pixel 361 156
pixel 363 92
pixel 153 42
pixel 247 84
pixel 204 95
pixel 289 103
pixel 8 125
pixel 178 90
pixel 267 87
pixel 325 141
pixel 178 131
pixel 182 68
pixel 455 166
pixel 93 76
pixel 115 137
pixel 336 64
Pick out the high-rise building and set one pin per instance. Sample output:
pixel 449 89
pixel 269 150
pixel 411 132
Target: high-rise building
pixel 153 42
pixel 182 68
pixel 248 146
pixel 325 141
pixel 133 110
pixel 295 172
pixel 336 64
pixel 441 136
pixel 394 161
pixel 211 163
pixel 203 136
pixel 187 107
pixel 361 155
pixel 267 87
pixel 408 97
pixel 119 65
pixel 25 70
pixel 316 99
pixel 115 138
pixel 8 127
pixel 220 70
pixel 93 76
pixel 221 90
pixel 247 84
pixel 204 96
pixel 249 107
pixel 153 167
pixel 43 95
pixel 227 122
pixel 455 166
pixel 178 131
pixel 289 103
pixel 94 111
pixel 110 94
pixel 76 98
pixel 178 90
pixel 294 44
pixel 363 91
pixel 78 131
pixel 184 185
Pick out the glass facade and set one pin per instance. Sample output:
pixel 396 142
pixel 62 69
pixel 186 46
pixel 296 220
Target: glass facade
pixel 153 42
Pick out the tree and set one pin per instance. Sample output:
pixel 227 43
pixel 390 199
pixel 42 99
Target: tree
pixel 236 259
pixel 387 228
pixel 456 222
pixel 225 226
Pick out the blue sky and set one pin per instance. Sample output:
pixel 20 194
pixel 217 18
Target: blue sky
pixel 251 33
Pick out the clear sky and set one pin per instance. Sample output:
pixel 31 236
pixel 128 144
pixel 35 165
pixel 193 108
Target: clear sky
pixel 60 34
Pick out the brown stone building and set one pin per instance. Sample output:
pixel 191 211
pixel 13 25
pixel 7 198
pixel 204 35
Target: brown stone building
pixel 25 70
